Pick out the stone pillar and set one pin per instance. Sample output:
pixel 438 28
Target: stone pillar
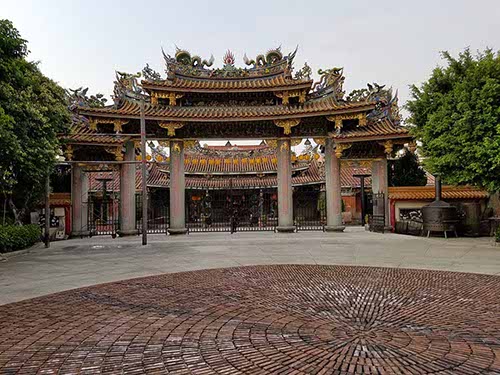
pixel 380 184
pixel 285 195
pixel 384 188
pixel 79 199
pixel 127 193
pixel 177 189
pixel 333 189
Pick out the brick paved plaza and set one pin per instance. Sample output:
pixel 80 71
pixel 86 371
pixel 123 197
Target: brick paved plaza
pixel 286 319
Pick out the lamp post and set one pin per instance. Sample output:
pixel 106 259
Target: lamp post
pixel 362 177
pixel 143 176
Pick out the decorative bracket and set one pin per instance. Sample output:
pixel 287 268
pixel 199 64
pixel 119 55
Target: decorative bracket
pixel 118 123
pixel 284 146
pixel 286 95
pixel 338 119
pixel 171 127
pixel 175 147
pixel 287 125
pixel 340 148
pixel 319 141
pixel 171 96
pixel 117 151
pixel 68 152
pixel 272 143
pixel 388 146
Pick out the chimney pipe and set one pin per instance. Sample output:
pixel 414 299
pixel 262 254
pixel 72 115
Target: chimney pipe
pixel 438 187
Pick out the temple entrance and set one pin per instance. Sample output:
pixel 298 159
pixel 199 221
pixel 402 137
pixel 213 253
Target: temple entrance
pixel 158 211
pixel 377 219
pixel 103 215
pixel 309 208
pixel 231 210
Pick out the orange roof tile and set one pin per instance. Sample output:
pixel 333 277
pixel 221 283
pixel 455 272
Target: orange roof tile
pixel 428 192
pixel 315 107
pixel 273 83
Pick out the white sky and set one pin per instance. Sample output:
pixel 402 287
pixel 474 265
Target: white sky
pixel 82 43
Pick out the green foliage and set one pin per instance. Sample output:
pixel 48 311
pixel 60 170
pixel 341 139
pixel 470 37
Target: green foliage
pixel 16 237
pixel 456 114
pixel 33 110
pixel 497 234
pixel 406 171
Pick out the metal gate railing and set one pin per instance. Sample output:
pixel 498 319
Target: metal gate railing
pixel 158 214
pixel 231 210
pixel 377 219
pixel 309 209
pixel 103 215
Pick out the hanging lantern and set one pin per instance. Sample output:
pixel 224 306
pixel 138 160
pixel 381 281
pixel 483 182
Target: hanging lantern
pixel 159 158
pixel 148 157
pixel 316 156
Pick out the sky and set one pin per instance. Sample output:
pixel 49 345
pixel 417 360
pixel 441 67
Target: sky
pixel 397 43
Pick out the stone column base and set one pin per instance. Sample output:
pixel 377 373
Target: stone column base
pixel 84 233
pixel 286 229
pixel 334 228
pixel 174 231
pixel 124 233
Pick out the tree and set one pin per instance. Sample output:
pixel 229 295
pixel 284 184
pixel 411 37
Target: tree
pixel 406 171
pixel 33 111
pixel 456 114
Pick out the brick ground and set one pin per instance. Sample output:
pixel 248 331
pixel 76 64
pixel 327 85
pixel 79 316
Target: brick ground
pixel 262 320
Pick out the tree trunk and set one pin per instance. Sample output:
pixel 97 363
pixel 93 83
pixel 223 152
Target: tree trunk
pixel 15 211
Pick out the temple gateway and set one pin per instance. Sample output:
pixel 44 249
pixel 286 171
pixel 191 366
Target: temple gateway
pixel 196 187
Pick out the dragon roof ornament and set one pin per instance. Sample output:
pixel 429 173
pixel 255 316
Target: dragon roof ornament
pixel 126 87
pixel 331 82
pixel 184 64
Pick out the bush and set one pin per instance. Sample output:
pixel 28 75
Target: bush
pixel 15 237
pixel 497 234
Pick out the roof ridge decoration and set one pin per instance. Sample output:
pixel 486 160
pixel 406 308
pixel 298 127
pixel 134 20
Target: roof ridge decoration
pixel 126 87
pixel 272 63
pixel 330 83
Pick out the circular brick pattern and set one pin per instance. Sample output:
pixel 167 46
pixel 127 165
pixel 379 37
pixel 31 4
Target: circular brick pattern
pixel 260 320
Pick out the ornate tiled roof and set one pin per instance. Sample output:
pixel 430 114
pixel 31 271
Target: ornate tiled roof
pixel 383 127
pixel 315 107
pixel 271 83
pixel 82 134
pixel 428 192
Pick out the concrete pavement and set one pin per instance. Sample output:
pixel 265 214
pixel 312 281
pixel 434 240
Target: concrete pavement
pixel 83 262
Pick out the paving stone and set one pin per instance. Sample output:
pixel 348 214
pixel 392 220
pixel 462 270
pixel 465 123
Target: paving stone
pixel 279 319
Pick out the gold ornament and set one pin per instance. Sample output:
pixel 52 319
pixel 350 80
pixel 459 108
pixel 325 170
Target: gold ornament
pixel 117 123
pixel 273 143
pixel 338 119
pixel 284 146
pixel 319 141
pixel 68 152
pixel 116 151
pixel 287 124
pixel 190 144
pixel 171 127
pixel 171 96
pixel 296 141
pixel 340 148
pixel 388 146
pixel 175 146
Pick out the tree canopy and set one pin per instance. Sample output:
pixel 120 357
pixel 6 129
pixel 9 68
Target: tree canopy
pixel 456 114
pixel 406 171
pixel 33 110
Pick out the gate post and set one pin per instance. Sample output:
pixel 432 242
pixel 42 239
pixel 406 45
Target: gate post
pixel 127 193
pixel 285 196
pixel 79 201
pixel 380 184
pixel 177 189
pixel 333 189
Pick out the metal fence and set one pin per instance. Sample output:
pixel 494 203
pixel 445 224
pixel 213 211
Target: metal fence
pixel 231 210
pixel 309 209
pixel 103 215
pixel 158 220
pixel 377 219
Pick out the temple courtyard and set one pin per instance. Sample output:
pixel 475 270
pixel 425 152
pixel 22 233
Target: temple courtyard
pixel 255 303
